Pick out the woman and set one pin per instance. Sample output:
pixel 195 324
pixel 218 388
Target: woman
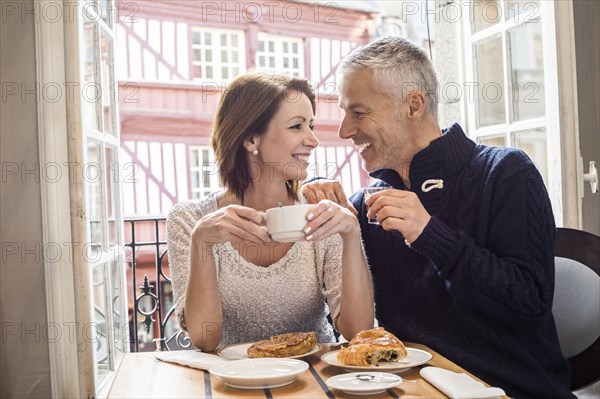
pixel 231 282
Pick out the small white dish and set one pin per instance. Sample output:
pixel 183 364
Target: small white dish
pixel 364 383
pixel 415 357
pixel 240 351
pixel 259 373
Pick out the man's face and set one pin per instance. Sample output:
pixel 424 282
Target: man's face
pixel 372 123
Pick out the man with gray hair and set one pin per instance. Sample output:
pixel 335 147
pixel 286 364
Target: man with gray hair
pixel 462 255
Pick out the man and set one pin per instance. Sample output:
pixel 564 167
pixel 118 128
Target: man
pixel 462 260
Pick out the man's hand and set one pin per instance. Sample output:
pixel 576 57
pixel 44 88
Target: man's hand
pixel 332 190
pixel 399 210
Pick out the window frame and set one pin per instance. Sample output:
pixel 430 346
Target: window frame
pixel 216 54
pixel 551 119
pixel 65 133
pixel 214 180
pixel 279 41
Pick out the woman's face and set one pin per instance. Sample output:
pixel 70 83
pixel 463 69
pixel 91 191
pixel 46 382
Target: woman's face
pixel 286 145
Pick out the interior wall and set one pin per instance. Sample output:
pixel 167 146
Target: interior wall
pixel 586 15
pixel 24 356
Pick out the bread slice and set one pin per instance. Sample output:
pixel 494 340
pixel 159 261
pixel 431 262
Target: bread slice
pixel 370 347
pixel 284 345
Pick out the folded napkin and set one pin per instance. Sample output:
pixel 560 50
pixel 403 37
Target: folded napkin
pixel 194 359
pixel 458 385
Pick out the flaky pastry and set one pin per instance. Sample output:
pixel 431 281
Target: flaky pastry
pixel 370 347
pixel 284 345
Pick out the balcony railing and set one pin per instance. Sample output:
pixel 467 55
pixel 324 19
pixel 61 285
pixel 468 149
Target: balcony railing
pixel 152 322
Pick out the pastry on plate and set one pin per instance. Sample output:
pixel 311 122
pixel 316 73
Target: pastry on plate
pixel 370 347
pixel 284 345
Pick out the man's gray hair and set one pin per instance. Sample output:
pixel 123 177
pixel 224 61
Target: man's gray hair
pixel 399 67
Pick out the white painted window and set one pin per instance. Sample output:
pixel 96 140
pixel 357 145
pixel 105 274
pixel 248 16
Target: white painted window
pixel 509 81
pixel 204 171
pixel 100 145
pixel 280 54
pixel 218 55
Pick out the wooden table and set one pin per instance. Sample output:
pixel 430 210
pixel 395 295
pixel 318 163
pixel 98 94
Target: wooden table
pixel 141 375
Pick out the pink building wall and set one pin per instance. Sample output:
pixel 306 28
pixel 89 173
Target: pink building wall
pixel 164 112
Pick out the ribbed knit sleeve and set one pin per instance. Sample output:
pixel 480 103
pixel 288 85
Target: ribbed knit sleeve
pixel 511 279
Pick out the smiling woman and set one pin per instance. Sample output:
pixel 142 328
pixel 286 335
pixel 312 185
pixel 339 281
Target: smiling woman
pixel 232 283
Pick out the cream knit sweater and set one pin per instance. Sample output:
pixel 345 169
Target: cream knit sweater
pixel 259 302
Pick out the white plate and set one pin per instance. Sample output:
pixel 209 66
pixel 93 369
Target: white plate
pixel 364 383
pixel 259 373
pixel 240 351
pixel 415 357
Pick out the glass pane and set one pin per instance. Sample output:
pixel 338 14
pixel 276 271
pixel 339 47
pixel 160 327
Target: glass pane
pixel 496 141
pixel 92 173
pixel 194 158
pixel 98 332
pixel 295 62
pixel 490 101
pixel 234 57
pixel 533 142
pixel 295 48
pixel 485 14
pixel 272 62
pixel 234 40
pixel 120 333
pixel 209 72
pixel 519 10
pixel 90 92
pixel 261 45
pixel 197 55
pixel 112 184
pixel 224 57
pixel 108 85
pixel 271 46
pixel 106 8
pixel 224 73
pixel 285 47
pixel 196 37
pixel 197 71
pixel 207 38
pixel 195 179
pixel 223 40
pixel 208 55
pixel 527 71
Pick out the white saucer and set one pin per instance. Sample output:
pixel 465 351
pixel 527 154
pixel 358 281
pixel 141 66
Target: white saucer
pixel 259 373
pixel 365 383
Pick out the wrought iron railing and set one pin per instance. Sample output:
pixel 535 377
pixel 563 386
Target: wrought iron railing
pixel 149 310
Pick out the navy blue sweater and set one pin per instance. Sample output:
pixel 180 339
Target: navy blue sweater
pixel 477 285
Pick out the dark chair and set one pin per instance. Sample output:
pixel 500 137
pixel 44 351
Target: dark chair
pixel 576 305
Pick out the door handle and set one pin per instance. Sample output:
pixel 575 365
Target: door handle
pixel 592 176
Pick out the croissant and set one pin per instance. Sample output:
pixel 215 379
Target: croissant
pixel 370 347
pixel 284 345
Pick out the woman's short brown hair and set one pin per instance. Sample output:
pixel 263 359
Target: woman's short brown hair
pixel 245 109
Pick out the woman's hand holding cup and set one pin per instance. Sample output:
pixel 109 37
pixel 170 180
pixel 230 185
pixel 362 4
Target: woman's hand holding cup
pixel 232 223
pixel 328 218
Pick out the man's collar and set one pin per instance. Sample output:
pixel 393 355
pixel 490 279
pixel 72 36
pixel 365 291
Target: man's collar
pixel 443 158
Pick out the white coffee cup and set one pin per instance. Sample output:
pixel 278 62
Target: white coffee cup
pixel 286 223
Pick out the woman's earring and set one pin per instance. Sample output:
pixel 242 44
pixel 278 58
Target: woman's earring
pixel 255 152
